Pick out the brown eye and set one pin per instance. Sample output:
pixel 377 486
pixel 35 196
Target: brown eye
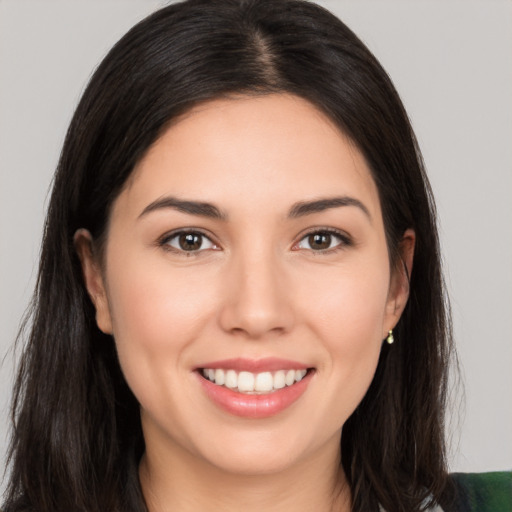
pixel 320 241
pixel 323 241
pixel 189 241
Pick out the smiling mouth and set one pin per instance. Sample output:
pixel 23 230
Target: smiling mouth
pixel 254 383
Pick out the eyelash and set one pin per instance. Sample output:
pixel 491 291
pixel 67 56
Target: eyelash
pixel 164 242
pixel 344 240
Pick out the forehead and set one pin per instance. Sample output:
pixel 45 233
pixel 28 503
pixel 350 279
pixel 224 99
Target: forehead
pixel 275 149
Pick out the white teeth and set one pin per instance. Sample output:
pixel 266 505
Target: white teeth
pixel 279 379
pixel 290 377
pixel 231 379
pixel 219 377
pixel 299 375
pixel 247 382
pixel 264 382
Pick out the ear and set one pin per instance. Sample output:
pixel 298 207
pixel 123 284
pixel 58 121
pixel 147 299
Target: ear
pixel 399 285
pixel 93 278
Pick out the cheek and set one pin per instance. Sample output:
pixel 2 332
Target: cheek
pixel 347 314
pixel 347 305
pixel 156 315
pixel 148 295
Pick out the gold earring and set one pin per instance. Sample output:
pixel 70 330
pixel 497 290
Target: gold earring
pixel 390 339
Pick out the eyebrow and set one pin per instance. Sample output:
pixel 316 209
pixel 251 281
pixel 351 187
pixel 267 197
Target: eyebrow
pixel 319 205
pixel 300 209
pixel 191 207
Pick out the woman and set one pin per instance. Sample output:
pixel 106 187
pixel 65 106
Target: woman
pixel 240 302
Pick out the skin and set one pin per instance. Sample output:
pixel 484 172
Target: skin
pixel 258 289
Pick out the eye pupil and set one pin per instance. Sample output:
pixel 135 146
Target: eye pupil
pixel 319 241
pixel 190 241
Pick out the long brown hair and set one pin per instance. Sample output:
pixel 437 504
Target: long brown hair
pixel 77 437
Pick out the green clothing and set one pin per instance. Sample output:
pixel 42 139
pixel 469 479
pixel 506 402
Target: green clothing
pixel 482 492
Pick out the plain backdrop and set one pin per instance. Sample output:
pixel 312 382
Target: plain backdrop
pixel 450 60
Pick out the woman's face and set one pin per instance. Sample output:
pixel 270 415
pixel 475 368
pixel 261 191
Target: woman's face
pixel 246 250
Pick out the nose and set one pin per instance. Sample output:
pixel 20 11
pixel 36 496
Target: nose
pixel 257 299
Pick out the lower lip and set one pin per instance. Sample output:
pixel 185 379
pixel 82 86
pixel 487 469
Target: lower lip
pixel 255 406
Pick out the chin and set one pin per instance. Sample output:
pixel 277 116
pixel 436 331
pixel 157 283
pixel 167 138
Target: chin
pixel 266 451
pixel 252 463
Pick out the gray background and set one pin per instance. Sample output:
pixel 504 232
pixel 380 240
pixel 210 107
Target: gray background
pixel 452 64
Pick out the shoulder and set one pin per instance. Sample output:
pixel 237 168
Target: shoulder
pixel 483 492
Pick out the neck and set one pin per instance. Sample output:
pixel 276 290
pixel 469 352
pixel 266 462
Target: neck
pixel 180 482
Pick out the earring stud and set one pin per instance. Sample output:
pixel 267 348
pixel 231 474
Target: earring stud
pixel 390 339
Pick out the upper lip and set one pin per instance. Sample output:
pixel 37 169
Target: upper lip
pixel 267 364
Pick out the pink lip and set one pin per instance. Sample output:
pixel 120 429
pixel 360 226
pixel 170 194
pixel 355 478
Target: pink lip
pixel 254 406
pixel 267 364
